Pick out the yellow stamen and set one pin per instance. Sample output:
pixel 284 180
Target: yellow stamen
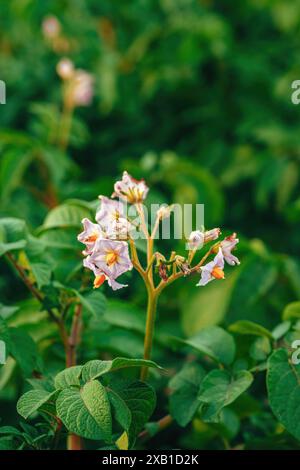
pixel 98 281
pixel 111 258
pixel 218 273
pixel 92 238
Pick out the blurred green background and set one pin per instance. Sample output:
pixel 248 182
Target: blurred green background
pixel 192 95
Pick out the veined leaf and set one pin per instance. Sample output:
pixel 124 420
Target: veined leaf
pixel 31 401
pixel 283 382
pixel 185 387
pixel 86 412
pixel 219 389
pixel 94 369
pixel 65 215
pixel 68 377
pixel 215 343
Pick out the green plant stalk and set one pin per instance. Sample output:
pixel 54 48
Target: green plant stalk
pixel 149 331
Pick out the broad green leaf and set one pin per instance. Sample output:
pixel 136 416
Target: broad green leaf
pixel 246 327
pixel 206 307
pixel 185 387
pixel 21 347
pixel 12 168
pixel 86 412
pixel 215 343
pixel 7 311
pixel 31 401
pixel 68 377
pixel 6 443
pixel 94 302
pixel 94 369
pixel 140 398
pixel 283 382
pixel 41 273
pixel 60 238
pixel 66 215
pixel 255 277
pixel 260 348
pixel 219 389
pixel 10 430
pixel 122 413
pixel 291 311
pixel 12 234
pixel 125 315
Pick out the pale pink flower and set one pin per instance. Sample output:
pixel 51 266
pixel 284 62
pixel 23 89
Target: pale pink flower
pixel 130 189
pixel 198 238
pixel 82 88
pixel 90 235
pixel 227 245
pixel 51 27
pixel 112 218
pixel 111 258
pixel 100 277
pixel 212 270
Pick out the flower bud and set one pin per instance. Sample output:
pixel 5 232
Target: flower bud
pixel 65 69
pixel 51 27
pixel 164 212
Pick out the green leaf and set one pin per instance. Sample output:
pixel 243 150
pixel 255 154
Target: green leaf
pixel 281 329
pixel 215 343
pixel 94 369
pixel 219 389
pixel 122 413
pixel 125 315
pixel 86 412
pixel 10 430
pixel 185 387
pixel 31 401
pixel 21 347
pixel 246 327
pixel 283 382
pixel 94 302
pixel 260 348
pixel 42 273
pixel 65 215
pixel 255 277
pixel 12 234
pixel 292 310
pixel 140 398
pixel 12 168
pixel 7 311
pixel 207 307
pixel 68 377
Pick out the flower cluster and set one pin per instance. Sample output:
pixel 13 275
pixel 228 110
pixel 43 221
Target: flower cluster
pixel 106 241
pixel 215 269
pixel 106 251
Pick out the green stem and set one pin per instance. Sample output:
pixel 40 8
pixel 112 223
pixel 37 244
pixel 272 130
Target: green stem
pixel 149 333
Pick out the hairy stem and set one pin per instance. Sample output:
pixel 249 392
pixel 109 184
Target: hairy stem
pixel 150 325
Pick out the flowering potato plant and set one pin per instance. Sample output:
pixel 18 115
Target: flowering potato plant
pixel 129 322
pixel 107 250
pixel 104 400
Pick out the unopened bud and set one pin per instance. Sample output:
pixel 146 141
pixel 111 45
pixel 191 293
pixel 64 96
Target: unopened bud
pixel 65 69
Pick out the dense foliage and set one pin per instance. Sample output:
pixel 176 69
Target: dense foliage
pixel 195 97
